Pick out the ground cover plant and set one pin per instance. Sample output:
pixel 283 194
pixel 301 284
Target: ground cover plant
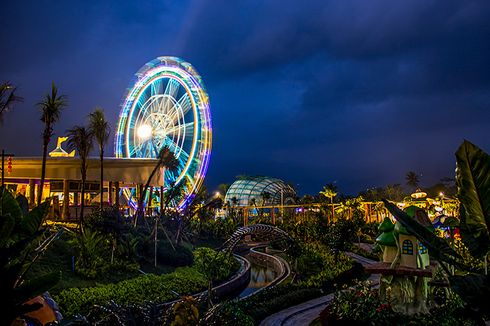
pixel 148 288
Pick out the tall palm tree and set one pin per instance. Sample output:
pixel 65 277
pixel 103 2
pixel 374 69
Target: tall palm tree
pixel 7 98
pixel 81 140
pixel 412 179
pixel 50 107
pixel 266 196
pixel 166 158
pixel 330 191
pixel 101 130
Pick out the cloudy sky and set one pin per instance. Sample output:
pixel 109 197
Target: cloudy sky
pixel 353 91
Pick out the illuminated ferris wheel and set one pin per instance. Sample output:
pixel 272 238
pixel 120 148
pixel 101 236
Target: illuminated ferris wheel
pixel 168 106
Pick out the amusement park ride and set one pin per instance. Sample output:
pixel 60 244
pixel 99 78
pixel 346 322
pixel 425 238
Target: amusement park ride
pixel 166 105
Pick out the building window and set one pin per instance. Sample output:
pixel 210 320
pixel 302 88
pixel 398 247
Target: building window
pixel 422 249
pixel 407 247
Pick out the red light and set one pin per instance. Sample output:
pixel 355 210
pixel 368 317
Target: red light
pixel 9 164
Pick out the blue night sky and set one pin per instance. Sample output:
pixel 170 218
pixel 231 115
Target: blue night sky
pixel 353 91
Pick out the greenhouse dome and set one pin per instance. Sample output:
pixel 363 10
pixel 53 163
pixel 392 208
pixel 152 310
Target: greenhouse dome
pixel 264 190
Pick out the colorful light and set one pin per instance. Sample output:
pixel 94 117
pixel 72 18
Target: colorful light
pixel 168 106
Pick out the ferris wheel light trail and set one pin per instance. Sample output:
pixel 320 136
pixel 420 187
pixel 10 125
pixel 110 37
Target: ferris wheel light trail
pixel 167 105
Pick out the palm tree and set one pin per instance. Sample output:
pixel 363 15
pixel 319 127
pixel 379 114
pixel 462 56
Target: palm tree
pixel 99 127
pixel 266 196
pixel 7 98
pixel 166 158
pixel 81 139
pixel 330 191
pixel 50 107
pixel 412 179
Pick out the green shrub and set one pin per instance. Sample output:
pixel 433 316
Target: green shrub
pixel 150 287
pixel 215 265
pixel 317 265
pixel 91 249
pixel 180 256
pixel 229 314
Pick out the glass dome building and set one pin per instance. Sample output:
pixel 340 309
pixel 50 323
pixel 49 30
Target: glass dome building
pixel 265 191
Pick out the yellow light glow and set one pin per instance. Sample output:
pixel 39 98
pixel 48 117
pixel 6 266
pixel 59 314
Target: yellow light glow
pixel 144 131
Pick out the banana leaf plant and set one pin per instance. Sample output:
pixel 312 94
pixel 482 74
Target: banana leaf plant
pixel 22 240
pixel 473 181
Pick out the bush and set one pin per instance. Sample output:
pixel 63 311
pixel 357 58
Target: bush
pixel 229 314
pixel 91 248
pixel 215 265
pixel 316 265
pixel 150 287
pixel 180 256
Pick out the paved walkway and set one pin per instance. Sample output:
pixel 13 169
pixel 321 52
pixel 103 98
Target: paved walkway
pixel 306 312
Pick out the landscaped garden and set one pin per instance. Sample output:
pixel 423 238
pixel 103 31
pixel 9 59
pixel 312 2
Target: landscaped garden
pixel 146 266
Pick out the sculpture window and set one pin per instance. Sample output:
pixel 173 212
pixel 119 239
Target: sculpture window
pixel 407 247
pixel 422 249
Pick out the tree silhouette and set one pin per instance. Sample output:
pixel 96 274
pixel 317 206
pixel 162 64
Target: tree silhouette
pixel 100 129
pixel 412 179
pixel 7 98
pixel 81 140
pixel 50 107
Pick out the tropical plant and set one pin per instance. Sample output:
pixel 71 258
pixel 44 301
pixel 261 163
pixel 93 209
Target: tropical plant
pixel 266 197
pixel 330 191
pixel 7 98
pixel 186 312
pixel 50 106
pixel 394 192
pixel 412 179
pixel 214 265
pixel 473 180
pixel 223 188
pixel 100 128
pixel 20 235
pixel 166 159
pixel 90 247
pixel 81 139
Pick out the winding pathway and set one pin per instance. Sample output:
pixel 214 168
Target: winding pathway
pixel 306 312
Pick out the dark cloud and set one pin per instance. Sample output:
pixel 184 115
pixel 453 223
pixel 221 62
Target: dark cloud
pixel 314 91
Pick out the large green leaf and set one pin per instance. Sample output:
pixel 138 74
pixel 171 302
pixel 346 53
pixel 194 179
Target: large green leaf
pixel 8 205
pixel 438 248
pixel 34 287
pixel 32 221
pixel 474 289
pixel 7 224
pixel 473 181
pixel 23 204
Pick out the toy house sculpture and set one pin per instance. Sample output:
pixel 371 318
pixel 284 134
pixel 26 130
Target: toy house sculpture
pixel 405 267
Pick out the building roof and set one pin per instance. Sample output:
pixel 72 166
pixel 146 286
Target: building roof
pixel 129 171
pixel 243 190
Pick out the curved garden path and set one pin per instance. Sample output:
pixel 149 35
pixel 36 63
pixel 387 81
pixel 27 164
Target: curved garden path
pixel 306 312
